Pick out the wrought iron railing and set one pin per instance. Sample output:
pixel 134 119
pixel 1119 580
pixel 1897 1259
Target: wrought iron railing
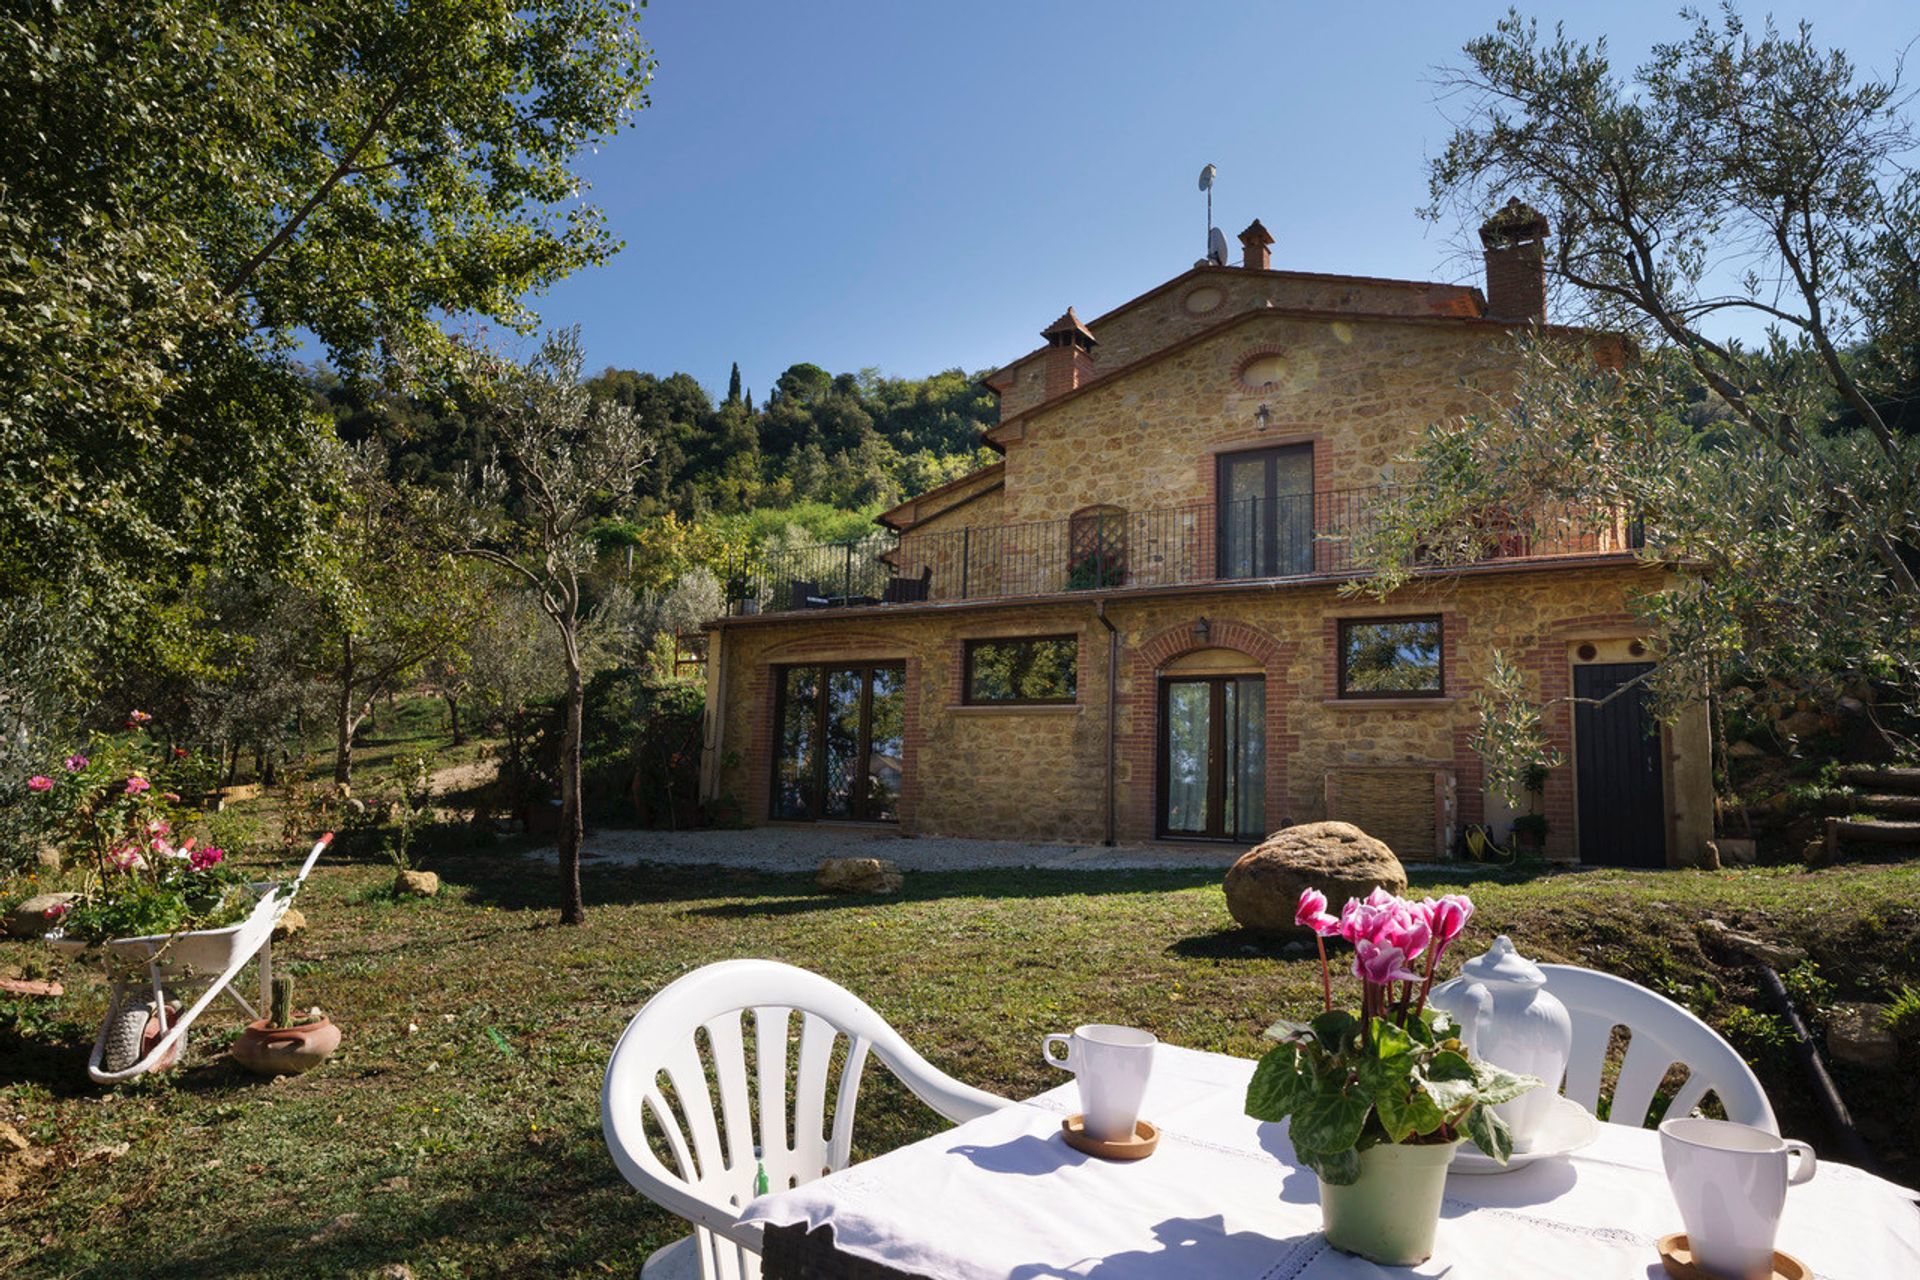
pixel 1295 535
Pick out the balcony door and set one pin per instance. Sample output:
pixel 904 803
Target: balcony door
pixel 1266 512
pixel 1213 757
pixel 839 734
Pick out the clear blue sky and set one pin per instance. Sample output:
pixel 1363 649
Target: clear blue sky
pixel 916 186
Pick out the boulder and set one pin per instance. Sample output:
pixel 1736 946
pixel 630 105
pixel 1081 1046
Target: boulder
pixel 859 875
pixel 1736 851
pixel 416 884
pixel 1858 1035
pixel 29 918
pixel 1337 858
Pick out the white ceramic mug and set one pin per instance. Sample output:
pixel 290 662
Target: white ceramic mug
pixel 1111 1065
pixel 1731 1182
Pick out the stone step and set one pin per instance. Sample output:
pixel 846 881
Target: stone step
pixel 1905 779
pixel 1839 831
pixel 1887 805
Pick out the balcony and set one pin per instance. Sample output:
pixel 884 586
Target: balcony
pixel 1304 536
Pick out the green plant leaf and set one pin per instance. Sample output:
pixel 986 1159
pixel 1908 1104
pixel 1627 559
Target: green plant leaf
pixel 1447 1065
pixel 1278 1084
pixel 1496 1084
pixel 1289 1032
pixel 1490 1133
pixel 1406 1112
pixel 1390 1041
pixel 1329 1120
pixel 1336 1168
pixel 1334 1028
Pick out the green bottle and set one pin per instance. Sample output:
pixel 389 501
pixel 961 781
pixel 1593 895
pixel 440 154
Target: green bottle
pixel 759 1178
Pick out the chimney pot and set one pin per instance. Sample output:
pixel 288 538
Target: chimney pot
pixel 1069 362
pixel 1253 248
pixel 1514 240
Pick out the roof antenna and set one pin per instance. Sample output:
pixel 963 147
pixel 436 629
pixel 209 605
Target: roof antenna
pixel 1216 243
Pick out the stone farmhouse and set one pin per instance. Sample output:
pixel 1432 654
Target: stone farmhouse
pixel 1129 628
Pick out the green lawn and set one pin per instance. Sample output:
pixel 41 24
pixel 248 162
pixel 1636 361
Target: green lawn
pixel 458 1130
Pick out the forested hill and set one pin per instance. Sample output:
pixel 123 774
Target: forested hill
pixel 852 441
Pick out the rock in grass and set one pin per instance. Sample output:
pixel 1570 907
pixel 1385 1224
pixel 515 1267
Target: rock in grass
pixel 1858 1035
pixel 29 919
pixel 1337 858
pixel 292 922
pixel 859 875
pixel 416 884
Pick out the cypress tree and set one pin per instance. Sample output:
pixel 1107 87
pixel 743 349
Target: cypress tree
pixel 733 384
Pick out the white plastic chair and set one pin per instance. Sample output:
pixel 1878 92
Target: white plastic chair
pixel 659 1090
pixel 1660 1035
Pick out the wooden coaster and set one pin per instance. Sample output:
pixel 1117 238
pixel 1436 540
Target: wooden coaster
pixel 1677 1258
pixel 1145 1138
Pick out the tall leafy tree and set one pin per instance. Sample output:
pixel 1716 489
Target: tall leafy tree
pixel 191 186
pixel 565 458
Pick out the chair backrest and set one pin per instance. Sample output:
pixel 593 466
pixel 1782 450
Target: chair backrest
pixel 1660 1035
pixel 804 593
pixel 691 1039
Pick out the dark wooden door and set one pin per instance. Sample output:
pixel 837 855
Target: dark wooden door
pixel 1616 755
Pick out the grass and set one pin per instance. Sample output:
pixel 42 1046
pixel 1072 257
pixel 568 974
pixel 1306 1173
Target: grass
pixel 458 1130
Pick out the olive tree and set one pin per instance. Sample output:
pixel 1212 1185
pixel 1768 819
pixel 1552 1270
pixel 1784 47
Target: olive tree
pixel 563 459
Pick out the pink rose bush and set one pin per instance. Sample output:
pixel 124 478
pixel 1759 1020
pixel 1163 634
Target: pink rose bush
pixel 1393 1070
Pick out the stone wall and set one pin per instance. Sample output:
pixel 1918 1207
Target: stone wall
pixel 1039 773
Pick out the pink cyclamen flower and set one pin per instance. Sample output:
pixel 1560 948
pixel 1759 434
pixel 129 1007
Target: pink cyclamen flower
pixel 136 784
pixel 1381 963
pixel 1312 914
pixel 76 762
pixel 1449 916
pixel 201 859
pixel 39 782
pixel 1409 932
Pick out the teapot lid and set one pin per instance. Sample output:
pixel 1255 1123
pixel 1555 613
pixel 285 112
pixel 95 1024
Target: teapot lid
pixel 1502 963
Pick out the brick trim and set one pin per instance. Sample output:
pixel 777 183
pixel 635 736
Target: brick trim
pixel 1138 744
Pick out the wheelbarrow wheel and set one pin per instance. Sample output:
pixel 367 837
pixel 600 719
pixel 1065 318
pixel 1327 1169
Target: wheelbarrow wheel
pixel 126 1033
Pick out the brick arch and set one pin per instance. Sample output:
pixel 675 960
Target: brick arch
pixel 853 645
pixel 1140 744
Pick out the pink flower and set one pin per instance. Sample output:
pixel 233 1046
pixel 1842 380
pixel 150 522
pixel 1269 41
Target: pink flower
pixel 39 782
pixel 1312 914
pixel 127 858
pixel 159 827
pixel 1381 963
pixel 76 762
pixel 201 859
pixel 1449 915
pixel 57 910
pixel 171 797
pixel 136 784
pixel 1409 932
pixel 137 718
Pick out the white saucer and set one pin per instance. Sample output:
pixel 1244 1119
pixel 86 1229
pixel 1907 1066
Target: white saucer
pixel 1569 1127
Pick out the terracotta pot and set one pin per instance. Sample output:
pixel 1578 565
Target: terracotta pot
pixel 285 1051
pixel 1390 1214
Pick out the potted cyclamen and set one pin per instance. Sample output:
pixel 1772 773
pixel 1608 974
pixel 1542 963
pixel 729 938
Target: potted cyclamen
pixel 1377 1099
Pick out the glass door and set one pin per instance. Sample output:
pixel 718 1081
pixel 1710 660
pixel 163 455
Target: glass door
pixel 1266 512
pixel 1213 758
pixel 838 741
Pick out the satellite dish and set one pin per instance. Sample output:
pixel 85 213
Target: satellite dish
pixel 1207 175
pixel 1216 247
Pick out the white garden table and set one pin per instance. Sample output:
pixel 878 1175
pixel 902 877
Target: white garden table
pixel 1004 1198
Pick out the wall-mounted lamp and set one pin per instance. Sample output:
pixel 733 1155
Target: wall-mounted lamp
pixel 1264 416
pixel 1201 628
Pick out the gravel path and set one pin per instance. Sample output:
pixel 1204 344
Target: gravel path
pixel 803 848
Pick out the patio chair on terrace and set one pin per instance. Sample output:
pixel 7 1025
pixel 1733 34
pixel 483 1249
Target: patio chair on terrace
pixel 908 590
pixel 1661 1035
pixel 805 594
pixel 658 1100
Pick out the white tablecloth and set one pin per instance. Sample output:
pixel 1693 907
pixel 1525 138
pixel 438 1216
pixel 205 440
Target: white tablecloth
pixel 1004 1198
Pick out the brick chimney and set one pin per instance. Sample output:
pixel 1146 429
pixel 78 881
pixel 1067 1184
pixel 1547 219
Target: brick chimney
pixel 1069 354
pixel 1515 242
pixel 1253 248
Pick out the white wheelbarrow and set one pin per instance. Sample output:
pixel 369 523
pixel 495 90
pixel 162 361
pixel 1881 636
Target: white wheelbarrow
pixel 196 965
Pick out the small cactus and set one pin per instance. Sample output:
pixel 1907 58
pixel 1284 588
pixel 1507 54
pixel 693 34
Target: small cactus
pixel 281 1011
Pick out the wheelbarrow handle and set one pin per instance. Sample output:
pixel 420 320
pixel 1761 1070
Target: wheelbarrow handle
pixel 319 847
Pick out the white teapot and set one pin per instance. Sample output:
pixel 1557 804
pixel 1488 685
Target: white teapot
pixel 1509 1018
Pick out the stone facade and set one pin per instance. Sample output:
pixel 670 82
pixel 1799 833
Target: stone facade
pixel 1215 361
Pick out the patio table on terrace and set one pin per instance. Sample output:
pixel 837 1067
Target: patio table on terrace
pixel 1004 1198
